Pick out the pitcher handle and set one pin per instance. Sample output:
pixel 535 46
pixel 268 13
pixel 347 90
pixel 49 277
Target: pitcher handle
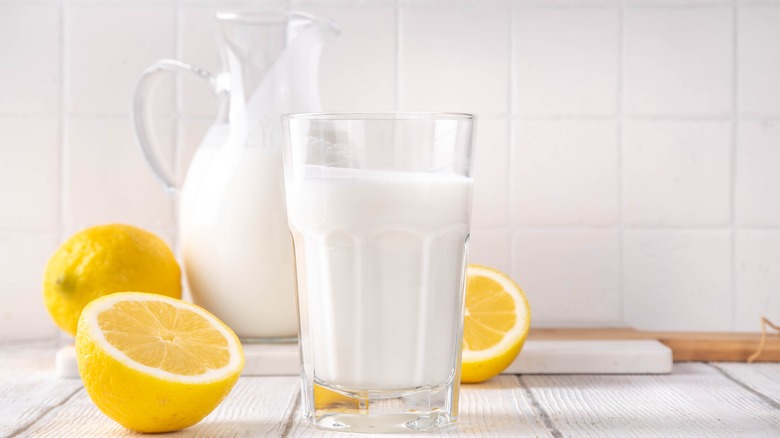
pixel 140 112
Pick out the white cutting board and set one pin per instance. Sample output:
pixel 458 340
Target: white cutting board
pixel 537 357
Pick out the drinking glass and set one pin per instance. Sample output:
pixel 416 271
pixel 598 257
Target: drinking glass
pixel 379 206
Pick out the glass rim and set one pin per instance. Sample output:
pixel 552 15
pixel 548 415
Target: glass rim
pixel 387 115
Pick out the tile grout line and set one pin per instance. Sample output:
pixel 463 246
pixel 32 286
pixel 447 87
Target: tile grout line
pixel 63 137
pixel 733 163
pixel 511 138
pixel 397 54
pixel 577 227
pixel 58 336
pixel 290 417
pixel 537 407
pixel 620 175
pixel 64 125
pixel 45 412
pixel 64 79
pixel 765 398
pixel 649 117
pixel 177 125
pixel 771 118
pixel 563 227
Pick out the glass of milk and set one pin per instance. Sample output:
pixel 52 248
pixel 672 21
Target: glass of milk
pixel 379 206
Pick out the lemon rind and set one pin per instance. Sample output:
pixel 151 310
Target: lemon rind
pixel 234 346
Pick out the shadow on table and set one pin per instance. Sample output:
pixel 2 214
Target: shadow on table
pixel 500 423
pixel 225 427
pixel 603 381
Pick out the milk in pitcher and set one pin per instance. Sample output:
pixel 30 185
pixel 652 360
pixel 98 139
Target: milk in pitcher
pixel 236 248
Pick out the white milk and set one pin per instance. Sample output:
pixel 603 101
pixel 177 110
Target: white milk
pixel 236 242
pixel 380 267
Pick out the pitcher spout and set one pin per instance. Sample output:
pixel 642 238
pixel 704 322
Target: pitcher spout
pixel 327 27
pixel 272 62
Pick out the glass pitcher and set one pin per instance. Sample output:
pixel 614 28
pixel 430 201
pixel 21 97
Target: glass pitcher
pixel 233 229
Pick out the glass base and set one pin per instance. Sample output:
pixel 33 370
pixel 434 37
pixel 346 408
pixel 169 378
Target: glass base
pixel 381 411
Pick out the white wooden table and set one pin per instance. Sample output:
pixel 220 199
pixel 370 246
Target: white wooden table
pixel 697 399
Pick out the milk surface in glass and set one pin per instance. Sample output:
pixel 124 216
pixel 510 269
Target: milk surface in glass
pixel 235 242
pixel 382 254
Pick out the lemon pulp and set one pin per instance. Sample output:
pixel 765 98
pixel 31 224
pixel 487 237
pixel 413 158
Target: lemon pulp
pixel 496 323
pixel 159 335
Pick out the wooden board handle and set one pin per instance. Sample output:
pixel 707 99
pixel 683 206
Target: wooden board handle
pixel 686 346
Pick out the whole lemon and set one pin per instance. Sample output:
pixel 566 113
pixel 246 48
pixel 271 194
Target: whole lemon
pixel 102 260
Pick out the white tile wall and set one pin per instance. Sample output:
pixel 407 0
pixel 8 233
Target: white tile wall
pixel 490 247
pixel 454 59
pixel 571 277
pixel 678 280
pixel 566 61
pixel 106 178
pixel 23 257
pixel 678 3
pixel 30 44
pixel 108 47
pixel 564 172
pixel 626 155
pixel 197 46
pixel 491 174
pixel 358 71
pixel 678 61
pixel 29 169
pixel 757 182
pixel 676 173
pixel 759 63
pixel 757 278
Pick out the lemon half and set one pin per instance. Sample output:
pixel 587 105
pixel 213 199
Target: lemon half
pixel 153 363
pixel 497 319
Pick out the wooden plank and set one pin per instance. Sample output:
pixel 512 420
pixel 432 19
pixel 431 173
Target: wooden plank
pixel 497 408
pixel 77 418
pixel 255 407
pixel 764 378
pixel 700 348
pixel 686 346
pixel 695 400
pixel 28 387
pixel 720 399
